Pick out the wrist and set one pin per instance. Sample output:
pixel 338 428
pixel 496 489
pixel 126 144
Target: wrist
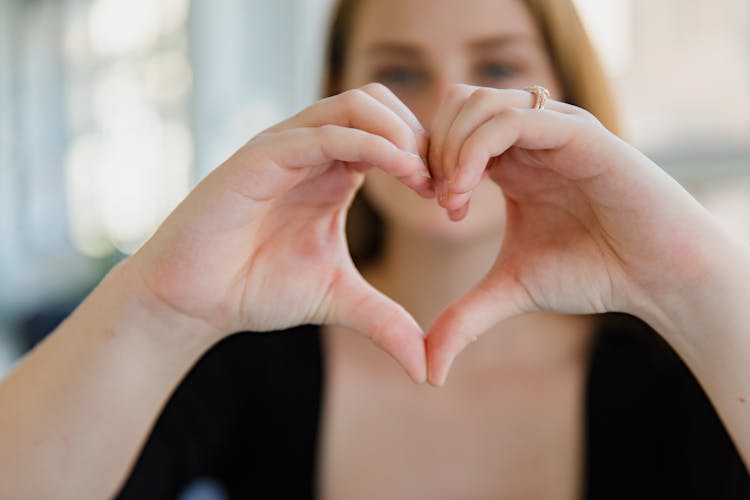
pixel 709 327
pixel 711 312
pixel 111 365
pixel 125 306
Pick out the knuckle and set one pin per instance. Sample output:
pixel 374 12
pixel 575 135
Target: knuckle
pixel 321 105
pixel 353 98
pixel 460 90
pixel 585 115
pixel 481 95
pixel 593 120
pixel 581 116
pixel 375 88
pixel 581 123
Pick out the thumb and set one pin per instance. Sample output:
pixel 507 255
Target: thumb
pixel 360 306
pixel 496 298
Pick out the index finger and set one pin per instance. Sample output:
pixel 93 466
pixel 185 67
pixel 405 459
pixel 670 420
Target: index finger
pixel 370 109
pixel 389 99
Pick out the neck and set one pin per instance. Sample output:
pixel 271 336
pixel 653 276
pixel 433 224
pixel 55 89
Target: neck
pixel 425 274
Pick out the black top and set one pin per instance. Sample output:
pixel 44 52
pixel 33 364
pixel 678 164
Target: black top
pixel 247 415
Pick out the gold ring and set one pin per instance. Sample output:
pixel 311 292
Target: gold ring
pixel 540 96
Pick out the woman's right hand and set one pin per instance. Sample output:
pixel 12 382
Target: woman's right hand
pixel 259 244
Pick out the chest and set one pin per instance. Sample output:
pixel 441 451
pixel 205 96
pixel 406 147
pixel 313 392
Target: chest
pixel 495 435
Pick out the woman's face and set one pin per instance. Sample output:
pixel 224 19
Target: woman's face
pixel 419 49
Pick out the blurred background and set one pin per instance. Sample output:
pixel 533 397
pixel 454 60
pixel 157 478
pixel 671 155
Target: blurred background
pixel 110 110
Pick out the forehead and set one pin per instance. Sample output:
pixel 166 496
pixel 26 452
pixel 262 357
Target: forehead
pixel 440 23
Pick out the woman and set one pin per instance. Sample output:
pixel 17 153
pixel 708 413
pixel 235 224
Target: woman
pixel 551 403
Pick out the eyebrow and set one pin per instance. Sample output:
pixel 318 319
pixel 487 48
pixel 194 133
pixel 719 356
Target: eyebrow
pixel 407 49
pixel 394 48
pixel 499 41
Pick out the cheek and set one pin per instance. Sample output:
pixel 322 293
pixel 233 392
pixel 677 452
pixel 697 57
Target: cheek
pixel 398 204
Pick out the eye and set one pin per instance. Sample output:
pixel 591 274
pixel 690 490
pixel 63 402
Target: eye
pixel 493 71
pixel 399 76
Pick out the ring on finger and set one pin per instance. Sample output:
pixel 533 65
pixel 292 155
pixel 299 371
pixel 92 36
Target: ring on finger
pixel 540 96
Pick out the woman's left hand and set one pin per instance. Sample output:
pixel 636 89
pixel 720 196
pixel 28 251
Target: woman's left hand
pixel 592 224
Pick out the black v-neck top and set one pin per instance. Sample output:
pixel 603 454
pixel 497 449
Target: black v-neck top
pixel 248 416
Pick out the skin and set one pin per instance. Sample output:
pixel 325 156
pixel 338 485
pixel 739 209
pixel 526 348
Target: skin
pixel 491 44
pixel 533 365
pixel 259 245
pixel 530 359
pixel 487 43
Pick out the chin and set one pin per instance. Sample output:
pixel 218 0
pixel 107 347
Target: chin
pixel 401 206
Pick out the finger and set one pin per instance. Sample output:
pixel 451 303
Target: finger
pixel 358 305
pixel 526 128
pixel 482 105
pixel 442 121
pixel 280 161
pixel 390 100
pixel 354 145
pixel 419 183
pixel 358 109
pixel 494 299
pixel 461 212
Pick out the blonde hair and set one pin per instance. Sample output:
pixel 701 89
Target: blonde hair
pixel 574 57
pixel 577 67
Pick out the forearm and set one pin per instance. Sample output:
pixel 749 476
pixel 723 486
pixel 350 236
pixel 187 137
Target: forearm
pixel 77 409
pixel 709 327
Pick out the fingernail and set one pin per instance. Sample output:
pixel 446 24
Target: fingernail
pixel 458 214
pixel 421 378
pixel 441 194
